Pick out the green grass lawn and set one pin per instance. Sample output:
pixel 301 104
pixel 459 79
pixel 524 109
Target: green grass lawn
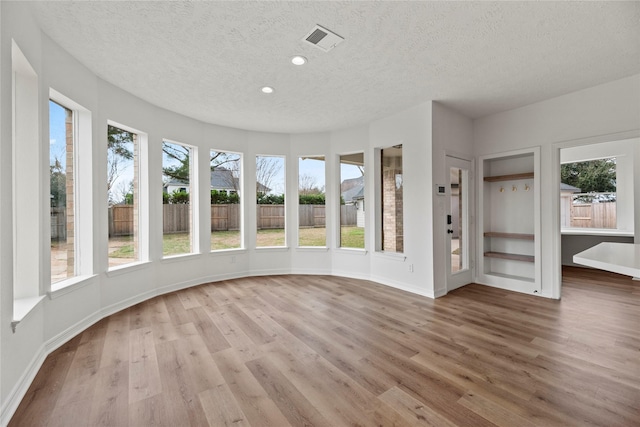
pixel 312 237
pixel 352 237
pixel 179 243
pixel 271 237
pixel 225 240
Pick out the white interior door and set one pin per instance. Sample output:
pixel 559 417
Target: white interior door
pixel 458 241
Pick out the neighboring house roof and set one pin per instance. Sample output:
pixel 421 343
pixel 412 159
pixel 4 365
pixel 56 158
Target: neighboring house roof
pixel 223 179
pixel 175 183
pixel 360 194
pixel 347 184
pixel 570 188
pixel 352 189
pixel 353 193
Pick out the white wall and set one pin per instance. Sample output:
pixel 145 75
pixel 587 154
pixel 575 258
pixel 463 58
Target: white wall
pixel 15 365
pixel 598 114
pixel 452 135
pixel 412 129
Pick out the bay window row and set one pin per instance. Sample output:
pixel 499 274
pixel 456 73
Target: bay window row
pixel 127 203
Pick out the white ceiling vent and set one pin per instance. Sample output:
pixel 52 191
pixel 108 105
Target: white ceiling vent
pixel 322 38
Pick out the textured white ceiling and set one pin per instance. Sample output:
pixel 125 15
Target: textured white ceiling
pixel 208 60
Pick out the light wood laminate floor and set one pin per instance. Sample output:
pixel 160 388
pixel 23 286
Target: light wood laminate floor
pixel 330 351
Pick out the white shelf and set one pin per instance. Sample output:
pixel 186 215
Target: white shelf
pixel 509 224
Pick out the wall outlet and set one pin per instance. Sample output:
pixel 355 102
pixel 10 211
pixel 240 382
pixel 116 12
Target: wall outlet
pixel 410 268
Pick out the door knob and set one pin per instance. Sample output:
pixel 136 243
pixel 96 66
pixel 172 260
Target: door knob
pixel 449 231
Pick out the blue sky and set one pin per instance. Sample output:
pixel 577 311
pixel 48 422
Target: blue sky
pixel 57 132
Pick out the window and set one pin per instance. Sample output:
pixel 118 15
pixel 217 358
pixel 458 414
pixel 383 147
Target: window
pixel 352 199
pixel 70 195
pixel 392 237
pixel 226 207
pixel 178 187
pixel 62 192
pixel 588 194
pixel 270 189
pixel 311 198
pixel 123 193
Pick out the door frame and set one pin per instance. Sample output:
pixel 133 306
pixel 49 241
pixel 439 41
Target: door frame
pixel 463 277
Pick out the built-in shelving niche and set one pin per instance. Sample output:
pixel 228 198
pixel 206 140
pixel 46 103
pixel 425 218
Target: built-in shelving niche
pixel 509 223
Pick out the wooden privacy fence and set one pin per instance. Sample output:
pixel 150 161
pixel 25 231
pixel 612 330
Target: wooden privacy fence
pixel 594 215
pixel 348 215
pixel 175 218
pixel 225 217
pixel 270 216
pixel 312 216
pixel 121 220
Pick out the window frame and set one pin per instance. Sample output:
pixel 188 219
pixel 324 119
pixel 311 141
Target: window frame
pixel 380 200
pixel 240 192
pixel 285 244
pixel 326 235
pixel 83 191
pixel 194 235
pixel 339 200
pixel 142 148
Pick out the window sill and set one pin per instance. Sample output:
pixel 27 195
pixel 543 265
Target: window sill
pixel 69 285
pixel 127 268
pixel 312 249
pixel 273 248
pixel 595 232
pixel 395 256
pixel 179 258
pixel 22 307
pixel 231 251
pixel 353 251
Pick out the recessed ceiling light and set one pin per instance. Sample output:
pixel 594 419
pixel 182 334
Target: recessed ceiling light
pixel 298 60
pixel 267 89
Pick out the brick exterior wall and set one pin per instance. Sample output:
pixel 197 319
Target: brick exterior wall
pixel 70 179
pixel 392 205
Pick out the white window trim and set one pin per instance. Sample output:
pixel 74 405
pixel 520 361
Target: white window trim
pixel 83 190
pixel 143 197
pixel 193 201
pixel 284 247
pixel 240 192
pixel 297 203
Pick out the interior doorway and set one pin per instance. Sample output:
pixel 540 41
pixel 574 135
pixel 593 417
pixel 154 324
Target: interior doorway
pixel 458 241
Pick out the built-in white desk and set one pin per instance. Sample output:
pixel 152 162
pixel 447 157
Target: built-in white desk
pixel 622 258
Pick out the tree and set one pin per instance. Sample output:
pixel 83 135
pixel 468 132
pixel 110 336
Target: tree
pixel 123 193
pixel 179 157
pixel 179 197
pixel 597 176
pixel 307 185
pixel 58 182
pixel 120 145
pixel 267 169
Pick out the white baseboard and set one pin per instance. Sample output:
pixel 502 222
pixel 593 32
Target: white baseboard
pixel 22 386
pixel 268 272
pixel 402 286
pixel 311 271
pixel 350 275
